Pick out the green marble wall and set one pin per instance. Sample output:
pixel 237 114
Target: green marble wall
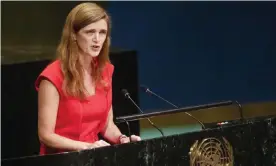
pixel 31 30
pixel 181 123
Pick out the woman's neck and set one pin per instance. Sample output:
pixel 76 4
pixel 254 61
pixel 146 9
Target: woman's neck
pixel 86 62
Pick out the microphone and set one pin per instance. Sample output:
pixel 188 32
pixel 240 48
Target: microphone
pixel 147 90
pixel 126 94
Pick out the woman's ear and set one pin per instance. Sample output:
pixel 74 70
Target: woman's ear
pixel 74 38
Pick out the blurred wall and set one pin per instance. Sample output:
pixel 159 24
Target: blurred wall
pixel 32 29
pixel 200 52
pixel 34 23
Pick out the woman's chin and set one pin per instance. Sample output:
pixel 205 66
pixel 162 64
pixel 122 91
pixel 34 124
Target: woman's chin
pixel 94 55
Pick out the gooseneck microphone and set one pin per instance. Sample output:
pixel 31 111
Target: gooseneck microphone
pixel 126 94
pixel 147 90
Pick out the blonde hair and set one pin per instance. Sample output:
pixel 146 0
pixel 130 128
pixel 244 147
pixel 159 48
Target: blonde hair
pixel 67 51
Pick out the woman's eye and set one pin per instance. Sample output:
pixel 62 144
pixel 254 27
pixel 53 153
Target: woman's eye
pixel 103 32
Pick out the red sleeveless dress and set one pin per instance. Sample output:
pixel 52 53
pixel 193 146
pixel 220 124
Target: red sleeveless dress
pixel 76 119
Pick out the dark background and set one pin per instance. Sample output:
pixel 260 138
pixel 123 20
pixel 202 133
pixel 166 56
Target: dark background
pixel 200 52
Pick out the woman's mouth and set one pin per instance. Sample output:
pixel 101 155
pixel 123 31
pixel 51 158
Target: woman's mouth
pixel 95 47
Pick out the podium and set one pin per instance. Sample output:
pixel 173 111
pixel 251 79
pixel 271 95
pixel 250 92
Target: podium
pixel 250 142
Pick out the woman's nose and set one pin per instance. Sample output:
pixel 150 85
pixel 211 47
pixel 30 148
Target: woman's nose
pixel 96 37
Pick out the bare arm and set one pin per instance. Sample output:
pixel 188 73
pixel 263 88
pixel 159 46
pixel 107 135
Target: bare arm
pixel 111 131
pixel 48 101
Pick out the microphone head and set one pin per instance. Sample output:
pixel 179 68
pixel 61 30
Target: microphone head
pixel 125 92
pixel 144 88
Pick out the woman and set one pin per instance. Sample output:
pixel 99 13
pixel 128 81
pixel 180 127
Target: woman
pixel 75 91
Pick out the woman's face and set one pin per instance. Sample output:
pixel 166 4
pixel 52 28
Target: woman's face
pixel 90 39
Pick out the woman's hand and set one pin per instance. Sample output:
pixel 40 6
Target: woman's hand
pixel 124 139
pixel 97 144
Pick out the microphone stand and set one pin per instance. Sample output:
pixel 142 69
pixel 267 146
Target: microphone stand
pixel 126 94
pixel 147 90
pixel 128 128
